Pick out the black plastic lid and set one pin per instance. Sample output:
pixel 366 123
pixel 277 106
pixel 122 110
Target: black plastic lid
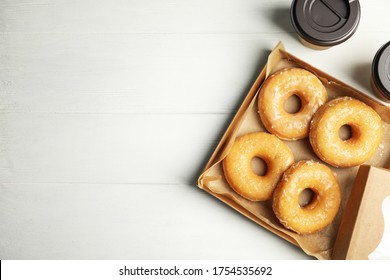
pixel 381 69
pixel 325 22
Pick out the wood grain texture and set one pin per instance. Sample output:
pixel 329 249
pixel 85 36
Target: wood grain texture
pixel 110 109
pixel 126 222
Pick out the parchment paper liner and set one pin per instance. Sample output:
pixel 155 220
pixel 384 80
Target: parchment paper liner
pixel 247 120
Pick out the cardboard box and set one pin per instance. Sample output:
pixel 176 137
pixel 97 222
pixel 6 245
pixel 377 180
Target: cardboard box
pixel 361 234
pixel 246 120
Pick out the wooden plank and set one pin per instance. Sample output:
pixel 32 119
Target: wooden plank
pixel 106 148
pixel 136 16
pixel 121 221
pixel 120 73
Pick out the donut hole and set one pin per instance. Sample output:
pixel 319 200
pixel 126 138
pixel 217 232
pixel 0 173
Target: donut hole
pixel 293 104
pixel 345 132
pixel 307 198
pixel 259 166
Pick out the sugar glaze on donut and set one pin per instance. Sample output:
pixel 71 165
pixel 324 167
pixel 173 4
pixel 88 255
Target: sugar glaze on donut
pixel 322 208
pixel 237 165
pixel 274 93
pixel 365 124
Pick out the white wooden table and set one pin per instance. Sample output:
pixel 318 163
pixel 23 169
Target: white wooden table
pixel 110 109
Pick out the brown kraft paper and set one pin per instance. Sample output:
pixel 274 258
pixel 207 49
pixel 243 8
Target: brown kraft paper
pixel 362 226
pixel 247 120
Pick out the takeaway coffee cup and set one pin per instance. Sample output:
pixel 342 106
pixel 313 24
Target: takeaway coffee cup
pixel 321 24
pixel 380 72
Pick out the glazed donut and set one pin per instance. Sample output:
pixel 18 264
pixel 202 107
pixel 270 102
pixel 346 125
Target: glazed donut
pixel 237 165
pixel 322 208
pixel 366 128
pixel 274 94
